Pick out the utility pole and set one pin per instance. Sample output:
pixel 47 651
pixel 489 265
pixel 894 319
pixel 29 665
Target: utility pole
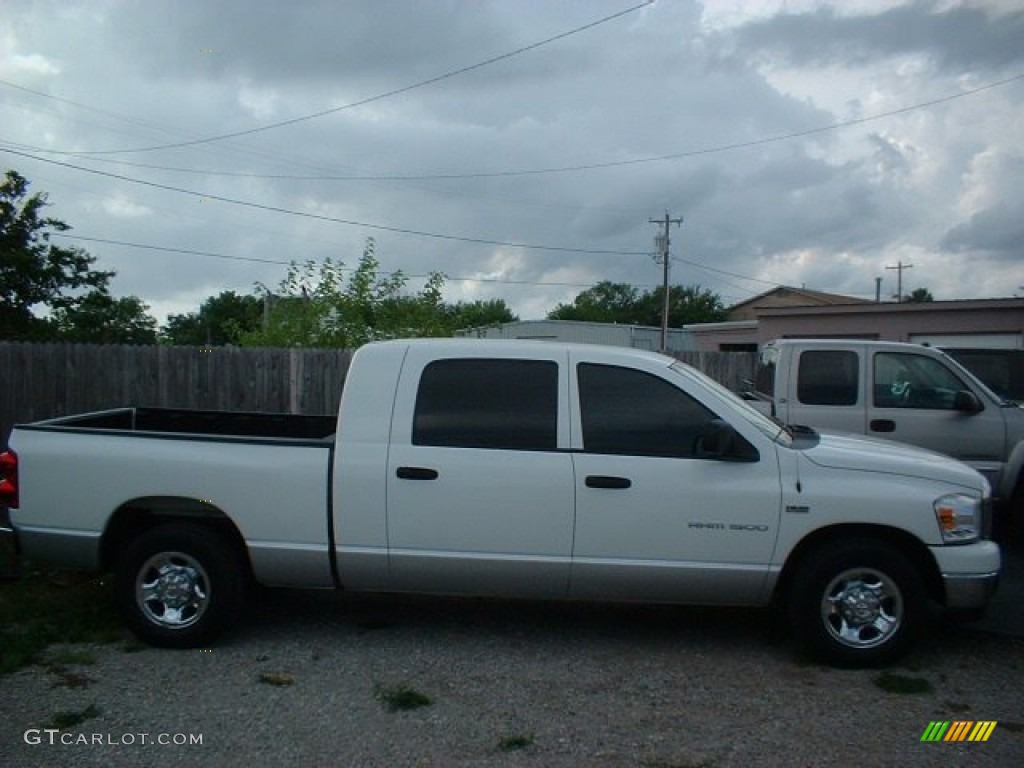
pixel 900 266
pixel 661 243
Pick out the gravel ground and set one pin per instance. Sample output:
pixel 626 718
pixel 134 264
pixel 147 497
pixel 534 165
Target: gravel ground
pixel 511 684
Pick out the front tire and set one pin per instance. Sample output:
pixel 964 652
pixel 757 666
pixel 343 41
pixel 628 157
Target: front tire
pixel 180 585
pixel 857 603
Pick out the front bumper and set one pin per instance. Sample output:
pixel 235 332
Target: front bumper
pixel 970 573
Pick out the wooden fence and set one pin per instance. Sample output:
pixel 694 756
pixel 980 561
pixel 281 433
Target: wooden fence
pixel 42 381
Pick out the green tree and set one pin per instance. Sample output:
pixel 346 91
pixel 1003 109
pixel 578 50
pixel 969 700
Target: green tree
pixel 99 318
pixel 687 304
pixel 316 306
pixel 919 296
pixel 605 302
pixel 221 319
pixel 609 302
pixel 35 274
pixel 480 314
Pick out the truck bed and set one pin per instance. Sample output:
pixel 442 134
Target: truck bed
pixel 180 422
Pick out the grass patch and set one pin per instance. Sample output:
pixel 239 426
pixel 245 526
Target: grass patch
pixel 893 683
pixel 41 607
pixel 515 743
pixel 279 679
pixel 74 657
pixel 69 719
pixel 68 678
pixel 399 698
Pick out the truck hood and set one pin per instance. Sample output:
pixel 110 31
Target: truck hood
pixel 868 454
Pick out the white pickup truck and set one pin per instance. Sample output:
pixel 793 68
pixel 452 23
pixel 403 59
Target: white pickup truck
pixel 905 392
pixel 514 469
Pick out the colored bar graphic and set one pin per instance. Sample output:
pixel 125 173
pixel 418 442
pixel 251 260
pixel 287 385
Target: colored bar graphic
pixel 959 730
pixel 982 730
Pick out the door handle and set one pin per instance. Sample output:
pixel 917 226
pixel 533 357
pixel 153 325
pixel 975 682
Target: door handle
pixel 882 425
pixel 607 481
pixel 416 473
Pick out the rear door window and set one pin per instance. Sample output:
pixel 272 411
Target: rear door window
pixel 488 403
pixel 827 377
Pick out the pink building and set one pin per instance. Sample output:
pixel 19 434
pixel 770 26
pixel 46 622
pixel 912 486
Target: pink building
pixel 796 313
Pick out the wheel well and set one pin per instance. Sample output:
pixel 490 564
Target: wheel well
pixel 137 516
pixel 907 544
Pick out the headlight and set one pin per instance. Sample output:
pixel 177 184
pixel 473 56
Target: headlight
pixel 959 518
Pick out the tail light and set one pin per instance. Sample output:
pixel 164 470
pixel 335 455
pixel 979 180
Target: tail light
pixel 9 478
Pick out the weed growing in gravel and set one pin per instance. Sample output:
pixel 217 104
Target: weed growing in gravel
pixel 398 698
pixel 893 683
pixel 74 656
pixel 69 719
pixel 513 743
pixel 279 679
pixel 67 678
pixel 38 608
pixel 957 706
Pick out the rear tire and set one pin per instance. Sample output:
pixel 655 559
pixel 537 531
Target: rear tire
pixel 856 603
pixel 180 585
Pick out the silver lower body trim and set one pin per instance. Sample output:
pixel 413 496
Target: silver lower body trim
pixel 67 548
pixel 969 590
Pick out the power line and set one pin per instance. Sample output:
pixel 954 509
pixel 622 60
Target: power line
pixel 332 219
pixel 567 168
pixel 305 214
pixel 258 260
pixel 255 259
pixel 370 99
pixel 706 268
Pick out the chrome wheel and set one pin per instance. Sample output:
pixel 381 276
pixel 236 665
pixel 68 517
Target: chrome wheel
pixel 862 608
pixel 857 602
pixel 172 590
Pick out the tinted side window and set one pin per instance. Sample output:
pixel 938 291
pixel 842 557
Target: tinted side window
pixel 905 380
pixel 827 377
pixel 630 412
pixel 483 403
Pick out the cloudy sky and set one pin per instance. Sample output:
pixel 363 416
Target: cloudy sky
pixel 522 147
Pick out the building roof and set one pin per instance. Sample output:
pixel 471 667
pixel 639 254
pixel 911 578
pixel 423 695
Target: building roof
pixel 896 308
pixel 786 296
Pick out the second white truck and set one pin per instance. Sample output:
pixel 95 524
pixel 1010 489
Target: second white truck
pixel 904 392
pixel 509 469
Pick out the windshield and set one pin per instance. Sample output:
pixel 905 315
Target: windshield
pixel 765 424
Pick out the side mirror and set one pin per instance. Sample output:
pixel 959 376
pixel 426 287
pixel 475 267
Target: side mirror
pixel 967 402
pixel 719 440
